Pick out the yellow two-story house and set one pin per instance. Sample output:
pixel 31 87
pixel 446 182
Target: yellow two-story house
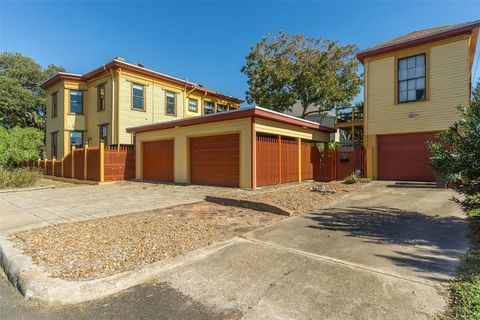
pixel 413 85
pixel 100 105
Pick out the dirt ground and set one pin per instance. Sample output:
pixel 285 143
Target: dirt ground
pixel 297 197
pixel 102 247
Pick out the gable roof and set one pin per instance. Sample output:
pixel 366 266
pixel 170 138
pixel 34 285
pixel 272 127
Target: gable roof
pixel 230 115
pixel 116 63
pixel 420 37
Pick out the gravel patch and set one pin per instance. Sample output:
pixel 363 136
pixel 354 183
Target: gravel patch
pixel 298 197
pixel 98 248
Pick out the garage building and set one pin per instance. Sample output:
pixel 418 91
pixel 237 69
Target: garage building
pixel 245 148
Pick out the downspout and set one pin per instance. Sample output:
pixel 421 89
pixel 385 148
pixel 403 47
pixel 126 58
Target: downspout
pixel 112 77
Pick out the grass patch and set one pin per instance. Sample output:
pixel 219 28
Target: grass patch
pixel 18 178
pixel 465 289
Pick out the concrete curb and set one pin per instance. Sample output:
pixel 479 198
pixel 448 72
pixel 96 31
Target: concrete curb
pixel 27 189
pixel 249 204
pixel 35 283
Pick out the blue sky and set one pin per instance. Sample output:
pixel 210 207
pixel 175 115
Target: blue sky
pixel 205 42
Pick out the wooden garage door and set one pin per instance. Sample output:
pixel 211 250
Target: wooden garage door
pixel 405 157
pixel 214 160
pixel 158 160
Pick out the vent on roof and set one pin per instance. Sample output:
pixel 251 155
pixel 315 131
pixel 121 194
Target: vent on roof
pixel 120 58
pixel 200 85
pixel 141 65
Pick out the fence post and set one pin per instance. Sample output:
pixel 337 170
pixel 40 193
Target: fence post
pixel 85 148
pixel 61 172
pixel 73 162
pixel 102 161
pixel 279 159
pixel 299 149
pixel 44 166
pixel 53 166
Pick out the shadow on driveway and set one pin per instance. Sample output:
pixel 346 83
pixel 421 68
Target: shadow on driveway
pixel 438 241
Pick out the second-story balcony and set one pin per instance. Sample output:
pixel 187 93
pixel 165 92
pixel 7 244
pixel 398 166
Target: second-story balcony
pixel 348 117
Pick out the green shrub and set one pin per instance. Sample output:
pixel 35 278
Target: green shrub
pixel 18 178
pixel 19 144
pixel 465 302
pixel 364 180
pixel 474 213
pixel 351 179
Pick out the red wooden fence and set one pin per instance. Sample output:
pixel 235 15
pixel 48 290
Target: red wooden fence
pixel 277 161
pixel 118 164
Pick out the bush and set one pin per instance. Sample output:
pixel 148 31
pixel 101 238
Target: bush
pixel 456 157
pixel 19 144
pixel 351 179
pixel 18 178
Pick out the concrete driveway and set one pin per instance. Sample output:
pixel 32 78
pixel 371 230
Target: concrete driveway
pixel 382 252
pixel 31 209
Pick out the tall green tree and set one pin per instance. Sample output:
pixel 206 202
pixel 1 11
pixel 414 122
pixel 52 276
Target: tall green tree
pixel 456 156
pixel 319 74
pixel 22 101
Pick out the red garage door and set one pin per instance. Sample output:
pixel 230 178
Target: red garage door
pixel 214 160
pixel 405 157
pixel 158 160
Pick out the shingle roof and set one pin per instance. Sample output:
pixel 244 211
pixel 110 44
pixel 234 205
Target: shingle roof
pixel 418 37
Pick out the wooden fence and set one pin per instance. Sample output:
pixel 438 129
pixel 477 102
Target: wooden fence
pixel 90 163
pixel 277 161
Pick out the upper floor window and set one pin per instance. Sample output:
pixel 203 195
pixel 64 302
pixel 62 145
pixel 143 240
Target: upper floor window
pixel 170 102
pixel 101 97
pixel 411 78
pixel 54 104
pixel 221 107
pixel 76 101
pixel 192 105
pixel 208 107
pixel 138 97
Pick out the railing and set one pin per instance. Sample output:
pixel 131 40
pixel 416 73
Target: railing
pixel 349 116
pixel 95 164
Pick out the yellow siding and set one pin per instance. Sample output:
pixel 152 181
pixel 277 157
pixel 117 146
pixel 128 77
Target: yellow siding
pixel 55 124
pixel 287 130
pixel 154 106
pixel 181 147
pixel 448 87
pixel 94 117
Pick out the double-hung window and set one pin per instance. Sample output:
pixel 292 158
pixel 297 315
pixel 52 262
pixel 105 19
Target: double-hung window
pixel 103 134
pixel 54 104
pixel 76 101
pixel 221 107
pixel 101 97
pixel 192 105
pixel 170 102
pixel 54 136
pixel 208 107
pixel 76 139
pixel 138 97
pixel 411 79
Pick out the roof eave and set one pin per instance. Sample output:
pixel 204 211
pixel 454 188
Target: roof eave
pixel 361 56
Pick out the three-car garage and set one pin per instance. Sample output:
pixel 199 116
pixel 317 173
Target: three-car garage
pixel 219 149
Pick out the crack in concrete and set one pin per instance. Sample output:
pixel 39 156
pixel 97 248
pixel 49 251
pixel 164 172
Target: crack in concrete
pixel 343 262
